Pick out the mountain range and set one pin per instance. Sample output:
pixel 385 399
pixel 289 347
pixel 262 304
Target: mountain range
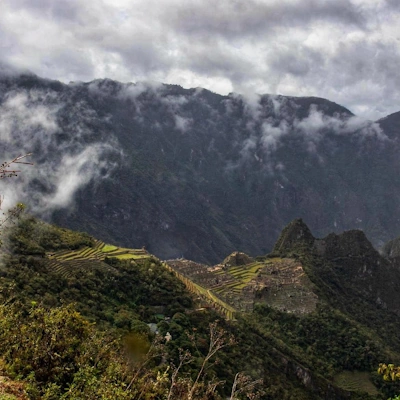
pixel 190 173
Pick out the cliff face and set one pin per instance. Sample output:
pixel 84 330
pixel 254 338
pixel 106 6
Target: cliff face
pixel 187 172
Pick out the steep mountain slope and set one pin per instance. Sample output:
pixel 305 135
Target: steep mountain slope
pixel 186 172
pixel 320 349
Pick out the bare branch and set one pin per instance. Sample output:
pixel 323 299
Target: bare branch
pixel 219 338
pixel 6 170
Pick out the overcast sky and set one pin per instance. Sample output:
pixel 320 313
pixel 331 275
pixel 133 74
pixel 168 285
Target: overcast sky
pixel 345 50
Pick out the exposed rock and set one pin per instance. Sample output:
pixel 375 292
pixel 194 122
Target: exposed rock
pixel 391 249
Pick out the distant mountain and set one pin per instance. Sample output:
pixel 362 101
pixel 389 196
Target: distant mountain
pixel 187 172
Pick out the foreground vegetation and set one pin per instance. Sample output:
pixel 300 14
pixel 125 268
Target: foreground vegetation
pixel 82 320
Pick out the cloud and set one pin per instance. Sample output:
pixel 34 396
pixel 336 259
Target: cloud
pixel 234 19
pixel 65 159
pixel 317 124
pixel 345 50
pixel 271 135
pixel 73 172
pixel 272 123
pixel 182 124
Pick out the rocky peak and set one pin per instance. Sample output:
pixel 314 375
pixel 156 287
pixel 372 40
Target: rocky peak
pixel 350 244
pixel 295 237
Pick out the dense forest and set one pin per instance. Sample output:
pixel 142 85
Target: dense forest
pixel 129 329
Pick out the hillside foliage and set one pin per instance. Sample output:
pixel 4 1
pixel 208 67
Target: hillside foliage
pixel 86 334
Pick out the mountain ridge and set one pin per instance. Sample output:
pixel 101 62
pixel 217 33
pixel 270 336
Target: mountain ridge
pixel 187 172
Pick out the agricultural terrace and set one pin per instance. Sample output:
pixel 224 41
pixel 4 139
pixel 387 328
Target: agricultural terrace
pixel 64 261
pixel 281 283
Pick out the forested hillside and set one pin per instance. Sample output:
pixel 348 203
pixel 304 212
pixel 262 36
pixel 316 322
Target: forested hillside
pixel 82 319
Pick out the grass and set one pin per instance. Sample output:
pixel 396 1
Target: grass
pixel 108 247
pixel 131 256
pixel 356 381
pixel 65 261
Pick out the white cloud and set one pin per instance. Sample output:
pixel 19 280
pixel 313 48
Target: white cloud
pixel 316 124
pixel 29 123
pixel 182 124
pixel 345 50
pixel 271 135
pixel 270 124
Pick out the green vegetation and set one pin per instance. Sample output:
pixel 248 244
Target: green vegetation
pixel 356 381
pixel 34 237
pixel 73 324
pixel 108 247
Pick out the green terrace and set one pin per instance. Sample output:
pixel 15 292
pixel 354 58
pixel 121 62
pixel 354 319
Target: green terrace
pixel 224 287
pixel 204 295
pixel 356 381
pixel 281 283
pixel 64 261
pixel 220 286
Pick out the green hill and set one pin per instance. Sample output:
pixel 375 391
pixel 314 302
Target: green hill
pixel 298 319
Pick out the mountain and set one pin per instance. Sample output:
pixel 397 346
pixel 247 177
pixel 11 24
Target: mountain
pixel 187 172
pixel 328 288
pixel 312 319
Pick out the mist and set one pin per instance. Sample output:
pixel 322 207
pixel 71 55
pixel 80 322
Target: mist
pixel 65 158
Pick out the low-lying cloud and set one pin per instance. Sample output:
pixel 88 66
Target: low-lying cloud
pixel 66 156
pixel 273 121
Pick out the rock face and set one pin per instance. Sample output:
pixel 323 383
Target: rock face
pixel 187 172
pixel 392 249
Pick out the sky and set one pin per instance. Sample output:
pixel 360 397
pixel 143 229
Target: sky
pixel 347 51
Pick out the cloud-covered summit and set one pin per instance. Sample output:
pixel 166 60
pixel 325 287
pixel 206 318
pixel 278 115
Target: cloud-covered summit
pixel 345 50
pixel 201 174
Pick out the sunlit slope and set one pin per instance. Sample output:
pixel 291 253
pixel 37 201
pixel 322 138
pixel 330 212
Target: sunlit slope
pixel 205 295
pixel 65 261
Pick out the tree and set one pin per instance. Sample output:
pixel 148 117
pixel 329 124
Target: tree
pixel 390 372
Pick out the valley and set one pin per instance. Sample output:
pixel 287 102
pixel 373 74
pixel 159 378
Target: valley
pixel 194 174
pixel 205 214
